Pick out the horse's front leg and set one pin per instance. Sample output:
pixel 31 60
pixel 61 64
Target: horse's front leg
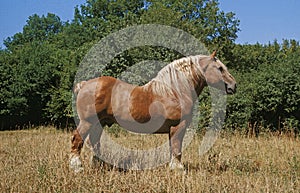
pixel 175 138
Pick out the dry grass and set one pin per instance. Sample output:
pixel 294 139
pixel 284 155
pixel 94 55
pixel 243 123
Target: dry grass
pixel 37 161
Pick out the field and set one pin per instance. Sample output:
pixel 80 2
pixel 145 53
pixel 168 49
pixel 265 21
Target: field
pixel 36 160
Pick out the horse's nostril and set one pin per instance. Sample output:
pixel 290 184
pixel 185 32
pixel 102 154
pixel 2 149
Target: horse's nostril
pixel 231 90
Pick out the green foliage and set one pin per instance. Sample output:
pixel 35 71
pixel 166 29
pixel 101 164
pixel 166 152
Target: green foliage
pixel 278 98
pixel 250 57
pixel 239 106
pixel 268 86
pixel 36 29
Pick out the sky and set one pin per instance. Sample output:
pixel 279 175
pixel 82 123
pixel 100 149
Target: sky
pixel 15 13
pixel 261 21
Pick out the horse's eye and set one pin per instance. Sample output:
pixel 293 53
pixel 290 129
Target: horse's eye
pixel 221 69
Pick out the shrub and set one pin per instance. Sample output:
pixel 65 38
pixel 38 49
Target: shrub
pixel 269 96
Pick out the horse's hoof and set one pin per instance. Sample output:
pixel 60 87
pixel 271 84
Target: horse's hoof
pixel 78 169
pixel 173 166
pixel 76 165
pixel 95 161
pixel 178 168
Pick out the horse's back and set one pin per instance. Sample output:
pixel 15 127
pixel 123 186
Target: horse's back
pixel 112 97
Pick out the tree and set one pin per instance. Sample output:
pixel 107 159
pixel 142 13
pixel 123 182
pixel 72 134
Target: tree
pixel 203 19
pixel 36 29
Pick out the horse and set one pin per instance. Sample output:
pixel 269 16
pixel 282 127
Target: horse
pixel 161 106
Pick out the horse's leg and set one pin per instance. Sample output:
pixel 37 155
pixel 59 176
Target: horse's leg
pixel 79 135
pixel 176 137
pixel 94 139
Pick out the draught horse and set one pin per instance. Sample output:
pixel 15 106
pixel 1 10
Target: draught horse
pixel 163 105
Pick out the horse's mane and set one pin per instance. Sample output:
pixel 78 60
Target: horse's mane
pixel 180 76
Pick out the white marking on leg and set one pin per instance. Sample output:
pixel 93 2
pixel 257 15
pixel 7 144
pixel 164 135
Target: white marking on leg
pixel 175 163
pixel 75 164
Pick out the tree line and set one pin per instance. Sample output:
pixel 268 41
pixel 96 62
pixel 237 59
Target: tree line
pixel 38 65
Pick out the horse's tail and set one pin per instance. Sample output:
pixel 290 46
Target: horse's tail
pixel 78 86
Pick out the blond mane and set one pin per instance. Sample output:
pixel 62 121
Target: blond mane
pixel 179 76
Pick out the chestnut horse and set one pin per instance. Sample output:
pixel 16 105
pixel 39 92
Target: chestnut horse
pixel 163 105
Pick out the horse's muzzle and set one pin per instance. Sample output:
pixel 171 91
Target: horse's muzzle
pixel 231 88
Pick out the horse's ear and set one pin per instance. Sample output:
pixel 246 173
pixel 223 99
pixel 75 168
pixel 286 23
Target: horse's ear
pixel 213 55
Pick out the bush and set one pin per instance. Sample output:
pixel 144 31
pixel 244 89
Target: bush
pixel 269 96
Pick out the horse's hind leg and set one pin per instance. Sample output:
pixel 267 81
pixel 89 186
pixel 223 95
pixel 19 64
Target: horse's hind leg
pixel 176 137
pixel 79 135
pixel 94 139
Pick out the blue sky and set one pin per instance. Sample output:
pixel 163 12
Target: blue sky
pixel 14 13
pixel 265 20
pixel 261 20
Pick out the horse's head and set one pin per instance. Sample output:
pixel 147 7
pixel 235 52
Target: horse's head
pixel 217 75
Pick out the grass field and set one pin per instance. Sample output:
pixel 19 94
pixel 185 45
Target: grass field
pixel 36 160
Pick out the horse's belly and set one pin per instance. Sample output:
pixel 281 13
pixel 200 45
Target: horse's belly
pixel 155 125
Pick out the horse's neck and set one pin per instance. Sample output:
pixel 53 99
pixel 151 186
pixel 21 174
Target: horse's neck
pixel 177 78
pixel 198 84
pixel 199 88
